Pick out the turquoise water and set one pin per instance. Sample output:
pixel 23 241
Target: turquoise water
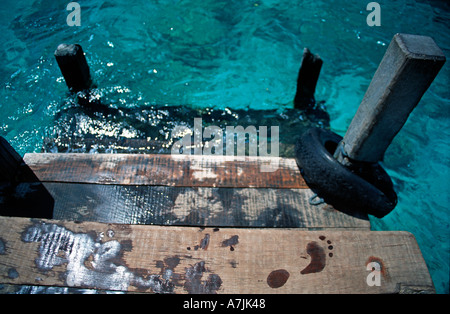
pixel 240 55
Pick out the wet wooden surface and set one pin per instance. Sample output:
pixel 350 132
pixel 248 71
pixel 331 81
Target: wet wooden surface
pixel 92 255
pixel 168 170
pixel 186 190
pixel 197 206
pixel 154 223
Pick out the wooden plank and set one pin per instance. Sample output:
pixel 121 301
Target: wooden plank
pixel 192 260
pixel 167 170
pixel 308 76
pixel 197 206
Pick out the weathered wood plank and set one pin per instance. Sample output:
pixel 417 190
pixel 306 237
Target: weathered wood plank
pixel 192 260
pixel 409 66
pixel 168 170
pixel 197 206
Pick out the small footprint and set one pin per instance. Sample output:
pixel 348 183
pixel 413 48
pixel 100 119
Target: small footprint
pixel 279 277
pixel 318 256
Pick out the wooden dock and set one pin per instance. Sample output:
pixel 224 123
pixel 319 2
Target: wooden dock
pixel 216 224
pixel 197 224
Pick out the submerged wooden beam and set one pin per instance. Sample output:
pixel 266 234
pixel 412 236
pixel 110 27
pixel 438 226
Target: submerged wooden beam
pixel 208 260
pixel 167 170
pixel 409 66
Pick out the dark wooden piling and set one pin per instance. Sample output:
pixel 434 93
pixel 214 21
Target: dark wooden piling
pixel 73 66
pixel 308 76
pixel 10 161
pixel 409 66
pixel 21 192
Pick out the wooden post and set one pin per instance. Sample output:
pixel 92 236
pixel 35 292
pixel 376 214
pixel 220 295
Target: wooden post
pixel 307 80
pixel 409 66
pixel 10 161
pixel 21 192
pixel 73 66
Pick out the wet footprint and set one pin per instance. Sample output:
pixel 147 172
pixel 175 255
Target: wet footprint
pixel 318 256
pixel 277 278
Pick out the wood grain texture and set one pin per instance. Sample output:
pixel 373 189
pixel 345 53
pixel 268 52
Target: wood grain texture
pixel 197 206
pixel 167 170
pixel 408 67
pixel 206 260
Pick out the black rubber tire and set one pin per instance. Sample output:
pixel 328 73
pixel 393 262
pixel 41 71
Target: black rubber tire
pixel 368 189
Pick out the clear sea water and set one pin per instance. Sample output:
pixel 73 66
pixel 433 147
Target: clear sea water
pixel 226 58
